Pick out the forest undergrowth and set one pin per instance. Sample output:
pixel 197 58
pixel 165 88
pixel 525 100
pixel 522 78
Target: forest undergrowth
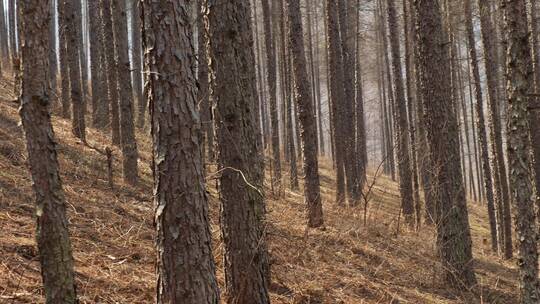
pixel 352 259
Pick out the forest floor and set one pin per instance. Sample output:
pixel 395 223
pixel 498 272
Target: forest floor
pixel 349 261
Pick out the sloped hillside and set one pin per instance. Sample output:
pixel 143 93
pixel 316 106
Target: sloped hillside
pixel 349 261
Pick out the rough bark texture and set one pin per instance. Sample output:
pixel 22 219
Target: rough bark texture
pixel 498 167
pixel 136 61
pixel 306 115
pixel 400 116
pixel 100 103
pixel 337 95
pixel 185 264
pixel 53 64
pixel 272 80
pixel 534 113
pixel 127 130
pixel 453 231
pixel 52 234
pixel 233 91
pixel 482 134
pixel 111 69
pixel 12 24
pixel 519 83
pixel 73 31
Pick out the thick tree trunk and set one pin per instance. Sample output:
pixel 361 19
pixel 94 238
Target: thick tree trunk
pixel 337 95
pixel 232 69
pixel 185 265
pixel 520 81
pixel 271 79
pixel 73 31
pixel 128 144
pixel 100 103
pixel 482 134
pixel 498 166
pixel 400 116
pixel 52 234
pixel 453 230
pixel 307 116
pixel 111 69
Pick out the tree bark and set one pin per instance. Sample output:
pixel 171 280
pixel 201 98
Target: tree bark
pixel 306 114
pixel 240 162
pixel 520 79
pixel 128 144
pixel 64 62
pixel 205 107
pixel 185 265
pixel 453 230
pixel 53 64
pixel 52 234
pixel 136 61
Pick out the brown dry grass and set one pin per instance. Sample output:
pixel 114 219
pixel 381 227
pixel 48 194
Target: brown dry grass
pixel 112 234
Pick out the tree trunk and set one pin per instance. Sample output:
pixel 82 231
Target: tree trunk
pixel 53 64
pixel 482 134
pixel 453 231
pixel 400 116
pixel 4 37
pixel 111 69
pixel 128 144
pixel 232 70
pixel 136 61
pixel 499 168
pixel 64 62
pixel 520 80
pixel 100 103
pixel 272 80
pixel 73 31
pixel 12 36
pixel 185 265
pixel 52 234
pixel 360 139
pixel 306 114
pixel 337 95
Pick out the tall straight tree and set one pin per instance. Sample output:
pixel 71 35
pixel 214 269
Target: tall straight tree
pixel 205 106
pixel 128 144
pixel 4 51
pixel 240 161
pixel 520 80
pixel 52 234
pixel 306 114
pixel 111 69
pixel 337 95
pixel 73 31
pixel 491 60
pixel 453 230
pixel 53 64
pixel 271 79
pixel 12 30
pixel 136 61
pixel 185 267
pixel 482 134
pixel 64 65
pixel 400 117
pixel 100 104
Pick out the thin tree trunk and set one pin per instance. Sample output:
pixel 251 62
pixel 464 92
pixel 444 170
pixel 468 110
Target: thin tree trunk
pixel 136 62
pixel 100 104
pixel 185 264
pixel 271 79
pixel 71 15
pixel 52 234
pixel 400 116
pixel 128 144
pixel 53 64
pixel 306 113
pixel 232 69
pixel 64 62
pixel 203 98
pixel 482 134
pixel 111 69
